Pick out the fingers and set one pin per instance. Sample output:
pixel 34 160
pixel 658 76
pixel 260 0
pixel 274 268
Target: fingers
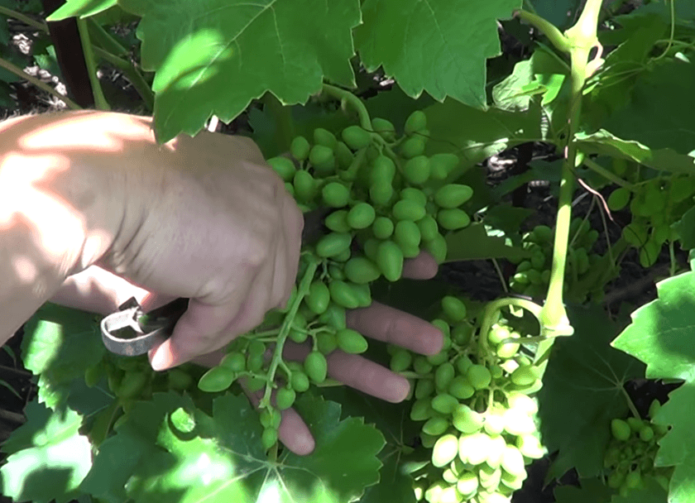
pixel 384 323
pixel 424 266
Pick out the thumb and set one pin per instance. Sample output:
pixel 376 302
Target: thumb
pixel 196 332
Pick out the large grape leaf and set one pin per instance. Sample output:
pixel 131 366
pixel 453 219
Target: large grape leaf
pixel 215 56
pixel 222 459
pixel 582 391
pixel 474 134
pixel 81 8
pixel 685 228
pixel 662 335
pixel 661 109
pixel 476 243
pixel 438 46
pixel 665 159
pixel 596 491
pixel 59 344
pixel 49 457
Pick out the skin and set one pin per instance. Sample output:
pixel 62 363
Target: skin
pixel 93 211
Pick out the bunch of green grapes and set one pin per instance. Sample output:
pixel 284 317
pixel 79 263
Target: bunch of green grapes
pixel 655 204
pixel 388 202
pixel 631 453
pixel 479 417
pixel 533 275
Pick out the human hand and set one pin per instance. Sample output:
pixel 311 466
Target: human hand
pixel 102 292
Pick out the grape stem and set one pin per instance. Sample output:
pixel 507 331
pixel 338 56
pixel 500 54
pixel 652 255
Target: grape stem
pixel 560 41
pixel 491 313
pixel 90 60
pixel 302 291
pixel 353 101
pixel 596 167
pixel 582 39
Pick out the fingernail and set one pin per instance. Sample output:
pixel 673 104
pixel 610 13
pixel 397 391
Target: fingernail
pixel 159 361
pixel 304 444
pixel 400 388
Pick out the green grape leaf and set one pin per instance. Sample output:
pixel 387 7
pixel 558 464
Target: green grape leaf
pixel 439 46
pixel 419 298
pixel 80 9
pixel 222 458
pixel 215 56
pixel 393 420
pixel 591 490
pixel 49 457
pixel 507 218
pixel 59 344
pixel 474 135
pixel 583 391
pixel 475 243
pixel 685 228
pixel 661 335
pixel 660 109
pixel 665 159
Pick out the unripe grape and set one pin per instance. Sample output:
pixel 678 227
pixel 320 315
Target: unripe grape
pixel 299 148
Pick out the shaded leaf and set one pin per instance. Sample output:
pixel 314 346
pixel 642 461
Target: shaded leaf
pixel 49 457
pixel 582 391
pixel 59 344
pixel 218 55
pixel 474 243
pixel 593 490
pixel 439 46
pixel 685 228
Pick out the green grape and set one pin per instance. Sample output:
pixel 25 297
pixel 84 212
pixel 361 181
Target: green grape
pixel 382 171
pixel 466 420
pixel 435 426
pixel 318 298
pixel 494 423
pixel 333 244
pixel 633 479
pixel 421 365
pixel 497 334
pixel 461 388
pixel 343 294
pixel 383 227
pixel 463 363
pixel 513 461
pixel 517 423
pixel 438 248
pixel 414 195
pixel 334 316
pixel 269 437
pixel 363 294
pixel 530 446
pixel 620 430
pixel 444 375
pixel 453 195
pixel 454 309
pixel 461 334
pixel 316 367
pixel 351 341
pixel 654 408
pixel 335 195
pixel 417 170
pixel 444 403
pixel 283 167
pixel 421 410
pixel 326 343
pixel 524 376
pixel 413 147
pixel 254 384
pixel 381 193
pixel 92 375
pixel 407 235
pixel 344 158
pixel 407 209
pixel 299 381
pixel 370 248
pixel 337 222
pixel 445 450
pixel 438 359
pixel 216 379
pixel 285 398
pixel 401 361
pixel 324 137
pixel 362 270
pixel 467 484
pixel 254 362
pixel 479 376
pixel 305 187
pixel 416 122
pixel 429 228
pixel 361 216
pixel 389 258
pixel 509 349
pixel 299 148
pixel 321 155
pixel 646 434
pixel 384 128
pixel 356 138
pixel 442 165
pixel 453 220
pixel 236 362
pixel 424 387
pixel 473 448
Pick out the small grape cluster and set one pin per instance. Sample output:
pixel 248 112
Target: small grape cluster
pixel 474 398
pixel 533 275
pixel 631 453
pixel 387 201
pixel 656 204
pixel 132 379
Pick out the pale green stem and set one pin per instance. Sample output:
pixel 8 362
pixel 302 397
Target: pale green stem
pixel 99 98
pixel 44 87
pixel 24 19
